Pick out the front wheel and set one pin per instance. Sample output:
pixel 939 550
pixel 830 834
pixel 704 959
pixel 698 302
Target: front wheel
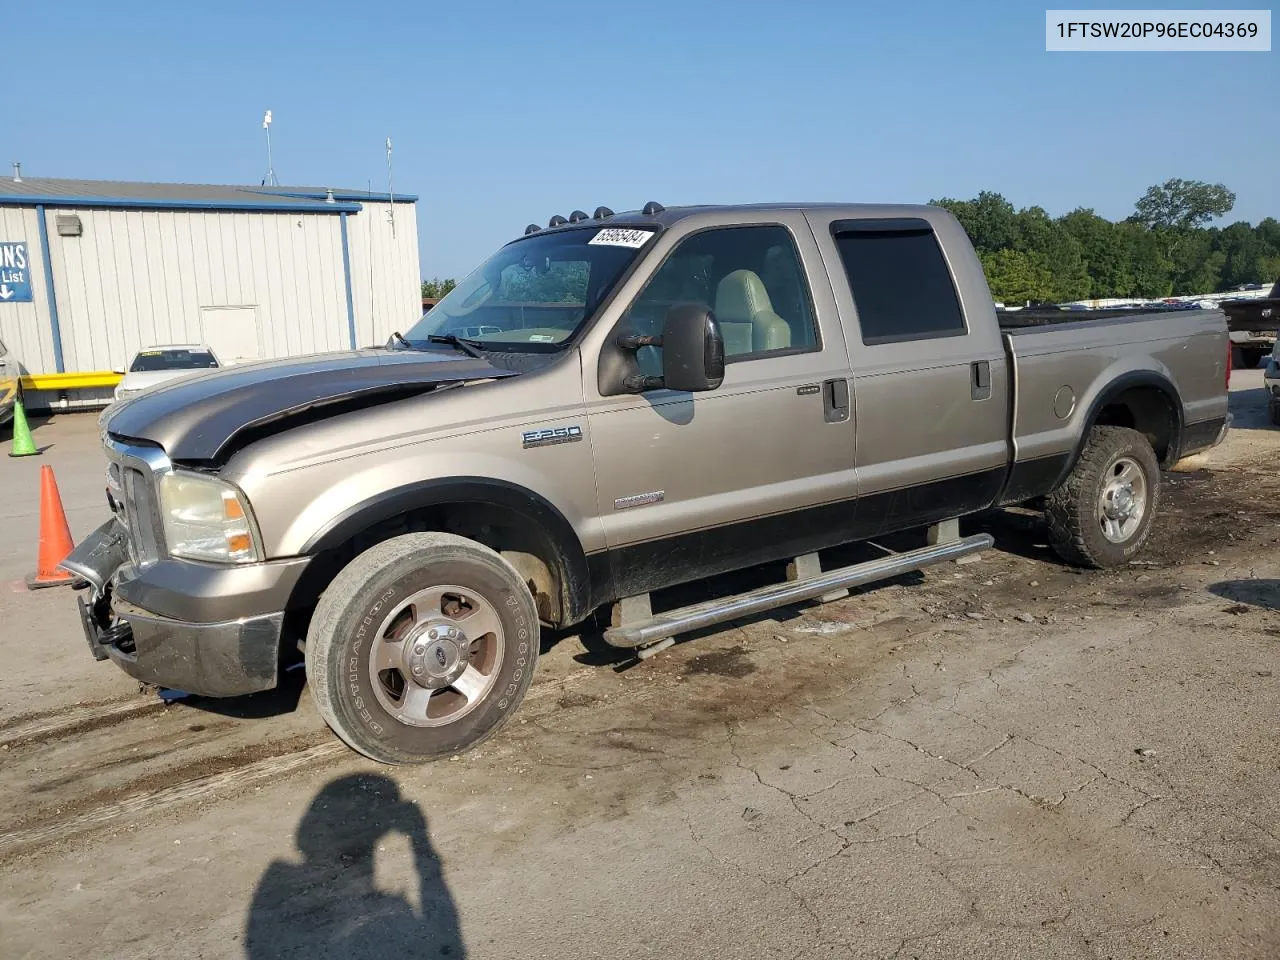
pixel 422 647
pixel 1101 515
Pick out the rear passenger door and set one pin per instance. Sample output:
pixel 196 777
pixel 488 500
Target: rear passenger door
pixel 928 362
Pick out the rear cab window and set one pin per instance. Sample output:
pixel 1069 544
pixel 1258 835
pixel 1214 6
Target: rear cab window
pixel 901 285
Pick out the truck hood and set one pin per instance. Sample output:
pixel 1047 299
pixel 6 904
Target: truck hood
pixel 198 418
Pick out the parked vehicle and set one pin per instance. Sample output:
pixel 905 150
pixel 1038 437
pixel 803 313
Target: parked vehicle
pixel 1253 325
pixel 654 398
pixel 8 383
pixel 1271 381
pixel 153 366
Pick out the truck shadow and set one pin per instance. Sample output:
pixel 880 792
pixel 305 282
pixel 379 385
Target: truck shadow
pixel 329 902
pixel 1254 593
pixel 598 653
pixel 282 699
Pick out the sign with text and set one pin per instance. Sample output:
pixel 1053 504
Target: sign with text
pixel 15 272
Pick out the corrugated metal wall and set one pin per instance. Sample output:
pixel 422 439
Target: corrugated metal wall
pixel 386 278
pixel 25 327
pixel 135 278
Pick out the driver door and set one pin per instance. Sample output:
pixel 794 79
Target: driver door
pixel 693 484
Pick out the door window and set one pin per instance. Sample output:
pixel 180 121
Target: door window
pixel 900 282
pixel 750 277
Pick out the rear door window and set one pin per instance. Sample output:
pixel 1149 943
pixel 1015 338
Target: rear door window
pixel 900 281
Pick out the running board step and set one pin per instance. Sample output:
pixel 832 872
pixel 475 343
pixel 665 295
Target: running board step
pixel 640 633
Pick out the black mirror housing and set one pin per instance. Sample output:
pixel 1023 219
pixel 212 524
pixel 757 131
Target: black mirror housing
pixel 692 349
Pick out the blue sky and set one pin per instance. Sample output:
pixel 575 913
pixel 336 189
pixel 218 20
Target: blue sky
pixel 503 113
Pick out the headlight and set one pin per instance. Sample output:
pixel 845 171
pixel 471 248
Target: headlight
pixel 206 519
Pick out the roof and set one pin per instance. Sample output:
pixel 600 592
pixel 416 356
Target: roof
pixel 183 196
pixel 667 216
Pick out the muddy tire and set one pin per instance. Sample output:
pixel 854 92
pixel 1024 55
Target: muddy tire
pixel 422 647
pixel 1101 515
pixel 1273 411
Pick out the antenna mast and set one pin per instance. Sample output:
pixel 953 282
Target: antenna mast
pixel 270 179
pixel 391 192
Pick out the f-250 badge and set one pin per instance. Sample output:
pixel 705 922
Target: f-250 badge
pixel 545 438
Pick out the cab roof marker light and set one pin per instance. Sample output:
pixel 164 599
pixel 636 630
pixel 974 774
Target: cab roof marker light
pixel 531 228
pixel 652 207
pixel 557 221
pixel 602 213
pixel 577 216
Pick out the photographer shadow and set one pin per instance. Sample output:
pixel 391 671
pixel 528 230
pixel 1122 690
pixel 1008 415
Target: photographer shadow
pixel 329 904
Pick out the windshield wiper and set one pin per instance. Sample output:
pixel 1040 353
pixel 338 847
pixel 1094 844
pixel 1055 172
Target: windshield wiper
pixel 399 338
pixel 466 346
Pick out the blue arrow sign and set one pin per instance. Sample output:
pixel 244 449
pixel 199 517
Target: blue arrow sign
pixel 15 272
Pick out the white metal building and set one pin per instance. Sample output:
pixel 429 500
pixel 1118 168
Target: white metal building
pixel 92 271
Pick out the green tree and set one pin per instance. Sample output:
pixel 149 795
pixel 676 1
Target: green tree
pixel 1016 276
pixel 1053 245
pixel 436 288
pixel 1242 249
pixel 990 220
pixel 1103 250
pixel 1150 270
pixel 1183 204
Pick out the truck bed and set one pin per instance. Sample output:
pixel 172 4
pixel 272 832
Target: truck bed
pixel 1062 362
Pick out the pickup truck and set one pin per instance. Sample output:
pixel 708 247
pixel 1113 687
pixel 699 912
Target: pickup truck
pixel 609 406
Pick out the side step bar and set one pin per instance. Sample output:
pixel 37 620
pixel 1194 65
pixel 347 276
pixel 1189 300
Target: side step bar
pixel 662 626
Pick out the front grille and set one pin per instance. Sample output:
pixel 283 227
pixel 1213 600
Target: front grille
pixel 132 476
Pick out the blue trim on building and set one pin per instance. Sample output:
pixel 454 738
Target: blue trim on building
pixel 340 195
pixel 136 203
pixel 346 272
pixel 47 260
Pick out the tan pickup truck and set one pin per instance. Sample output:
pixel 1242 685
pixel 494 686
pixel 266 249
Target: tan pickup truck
pixel 611 405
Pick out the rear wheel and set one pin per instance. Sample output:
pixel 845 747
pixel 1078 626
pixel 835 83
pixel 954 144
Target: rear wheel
pixel 1273 411
pixel 1101 515
pixel 422 647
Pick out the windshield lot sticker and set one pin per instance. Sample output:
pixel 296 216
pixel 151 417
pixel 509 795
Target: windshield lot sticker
pixel 541 338
pixel 618 237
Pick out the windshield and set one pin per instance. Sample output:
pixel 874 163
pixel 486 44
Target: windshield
pixel 149 360
pixel 534 294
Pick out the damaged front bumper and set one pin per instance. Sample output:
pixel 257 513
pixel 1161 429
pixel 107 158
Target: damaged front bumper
pixel 202 628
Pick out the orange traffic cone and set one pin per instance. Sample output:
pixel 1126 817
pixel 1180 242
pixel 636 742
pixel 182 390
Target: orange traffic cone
pixel 55 536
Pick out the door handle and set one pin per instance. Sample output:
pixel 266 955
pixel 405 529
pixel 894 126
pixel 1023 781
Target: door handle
pixel 980 380
pixel 835 400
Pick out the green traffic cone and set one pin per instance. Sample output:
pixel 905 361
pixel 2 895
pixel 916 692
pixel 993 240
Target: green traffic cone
pixel 23 445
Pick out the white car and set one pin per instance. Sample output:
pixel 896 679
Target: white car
pixel 164 364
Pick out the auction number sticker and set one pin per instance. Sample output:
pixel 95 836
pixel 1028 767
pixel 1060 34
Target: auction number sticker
pixel 618 237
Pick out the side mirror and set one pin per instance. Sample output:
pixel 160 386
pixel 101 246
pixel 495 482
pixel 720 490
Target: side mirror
pixel 118 370
pixel 692 349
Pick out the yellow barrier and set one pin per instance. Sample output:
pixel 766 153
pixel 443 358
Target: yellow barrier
pixel 70 381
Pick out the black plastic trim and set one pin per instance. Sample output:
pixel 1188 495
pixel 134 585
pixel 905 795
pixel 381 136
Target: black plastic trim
pixel 1200 435
pixel 1029 479
pixel 655 564
pixel 1128 381
pixel 540 512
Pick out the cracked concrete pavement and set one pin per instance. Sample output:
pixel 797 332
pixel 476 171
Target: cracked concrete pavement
pixel 1002 759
